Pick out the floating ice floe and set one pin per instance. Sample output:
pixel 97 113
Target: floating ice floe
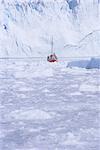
pixel 27 149
pixel 35 114
pixel 71 139
pixel 2 134
pixel 37 71
pixel 89 88
pixel 76 94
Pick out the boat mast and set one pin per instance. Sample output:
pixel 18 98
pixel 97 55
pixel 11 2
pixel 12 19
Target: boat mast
pixel 52 45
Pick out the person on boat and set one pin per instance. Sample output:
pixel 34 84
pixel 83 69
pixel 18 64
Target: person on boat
pixel 51 57
pixel 54 56
pixel 47 58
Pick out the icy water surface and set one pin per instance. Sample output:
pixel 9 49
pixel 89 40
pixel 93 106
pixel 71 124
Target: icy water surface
pixel 48 106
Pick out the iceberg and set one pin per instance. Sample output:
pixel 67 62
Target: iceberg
pixel 88 64
pixel 93 63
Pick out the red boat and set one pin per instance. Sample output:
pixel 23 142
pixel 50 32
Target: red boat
pixel 52 57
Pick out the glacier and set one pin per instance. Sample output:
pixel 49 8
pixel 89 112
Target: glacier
pixel 27 26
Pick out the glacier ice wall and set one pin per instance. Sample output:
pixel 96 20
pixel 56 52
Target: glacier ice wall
pixel 27 26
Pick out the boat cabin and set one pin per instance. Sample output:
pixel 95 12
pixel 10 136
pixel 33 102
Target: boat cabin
pixel 52 58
